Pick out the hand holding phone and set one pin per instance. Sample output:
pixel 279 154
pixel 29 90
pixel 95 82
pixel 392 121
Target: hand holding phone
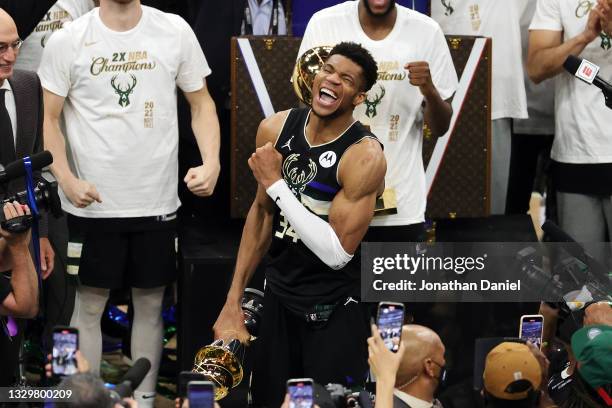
pixel 300 392
pixel 65 346
pixel 390 319
pixel 531 329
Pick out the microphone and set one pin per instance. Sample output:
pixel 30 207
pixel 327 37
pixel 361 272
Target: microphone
pixel 587 71
pixel 132 379
pixel 17 168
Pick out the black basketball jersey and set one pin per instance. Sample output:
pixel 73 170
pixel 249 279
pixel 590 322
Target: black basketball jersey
pixel 294 273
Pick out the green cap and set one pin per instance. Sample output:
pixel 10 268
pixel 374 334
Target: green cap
pixel 592 346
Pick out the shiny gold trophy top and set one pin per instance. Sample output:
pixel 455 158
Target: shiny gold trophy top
pixel 221 361
pixel 306 68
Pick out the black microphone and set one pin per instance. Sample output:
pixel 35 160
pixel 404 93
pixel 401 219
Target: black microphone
pixel 587 71
pixel 132 378
pixel 17 168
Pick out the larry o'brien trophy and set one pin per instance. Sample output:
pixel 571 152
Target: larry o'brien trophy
pixel 306 68
pixel 221 361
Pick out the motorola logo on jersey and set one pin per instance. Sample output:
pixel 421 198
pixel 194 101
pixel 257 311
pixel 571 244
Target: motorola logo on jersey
pixel 327 159
pixel 298 173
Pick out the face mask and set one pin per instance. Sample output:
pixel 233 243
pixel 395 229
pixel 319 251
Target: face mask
pixel 442 377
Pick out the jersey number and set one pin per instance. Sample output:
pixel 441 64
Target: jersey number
pixel 286 230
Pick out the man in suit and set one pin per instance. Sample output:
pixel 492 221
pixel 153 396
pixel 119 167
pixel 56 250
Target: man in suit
pixel 410 377
pixel 21 119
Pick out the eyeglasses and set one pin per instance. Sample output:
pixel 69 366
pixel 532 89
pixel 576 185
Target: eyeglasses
pixel 16 45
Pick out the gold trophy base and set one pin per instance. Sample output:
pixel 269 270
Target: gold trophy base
pixel 219 365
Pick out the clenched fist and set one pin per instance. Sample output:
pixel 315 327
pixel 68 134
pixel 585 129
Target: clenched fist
pixel 266 165
pixel 81 193
pixel 419 75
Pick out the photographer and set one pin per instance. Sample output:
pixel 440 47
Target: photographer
pixel 18 294
pixel 88 389
pixel 410 377
pixel 19 297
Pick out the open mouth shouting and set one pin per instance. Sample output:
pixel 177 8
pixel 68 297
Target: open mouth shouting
pixel 327 100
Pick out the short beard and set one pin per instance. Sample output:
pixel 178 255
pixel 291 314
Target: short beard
pixel 371 13
pixel 332 115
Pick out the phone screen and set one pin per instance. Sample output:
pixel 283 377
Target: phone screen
pixel 65 345
pixel 200 394
pixel 390 321
pixel 531 329
pixel 300 394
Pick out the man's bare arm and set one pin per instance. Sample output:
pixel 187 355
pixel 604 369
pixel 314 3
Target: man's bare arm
pixel 255 241
pixel 80 192
pixel 438 112
pixel 361 173
pixel 201 180
pixel 547 51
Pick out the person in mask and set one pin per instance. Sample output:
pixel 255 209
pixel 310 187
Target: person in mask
pixel 416 370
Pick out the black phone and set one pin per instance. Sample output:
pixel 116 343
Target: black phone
pixel 65 346
pixel 390 319
pixel 531 329
pixel 300 392
pixel 201 394
pixel 184 378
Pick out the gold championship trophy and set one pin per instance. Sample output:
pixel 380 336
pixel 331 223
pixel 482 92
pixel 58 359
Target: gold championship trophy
pixel 221 361
pixel 306 68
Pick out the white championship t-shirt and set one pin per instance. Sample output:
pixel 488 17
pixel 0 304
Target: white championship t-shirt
pixel 582 121
pixel 500 21
pixel 120 107
pixel 394 109
pixel 540 97
pixel 62 12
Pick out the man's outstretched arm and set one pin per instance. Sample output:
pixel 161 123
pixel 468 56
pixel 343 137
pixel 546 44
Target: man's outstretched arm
pixel 256 238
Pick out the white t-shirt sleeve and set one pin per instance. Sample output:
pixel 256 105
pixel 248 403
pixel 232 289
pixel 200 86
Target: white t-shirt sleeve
pixel 547 16
pixel 54 70
pixel 311 36
pixel 441 66
pixel 193 67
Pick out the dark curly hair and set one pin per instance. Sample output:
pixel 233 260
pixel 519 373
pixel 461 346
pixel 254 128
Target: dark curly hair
pixel 360 56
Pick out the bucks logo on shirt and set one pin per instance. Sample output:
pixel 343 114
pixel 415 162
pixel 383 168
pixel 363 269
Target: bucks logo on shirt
pixel 298 171
pixel 373 100
pixel 122 64
pixel 124 91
